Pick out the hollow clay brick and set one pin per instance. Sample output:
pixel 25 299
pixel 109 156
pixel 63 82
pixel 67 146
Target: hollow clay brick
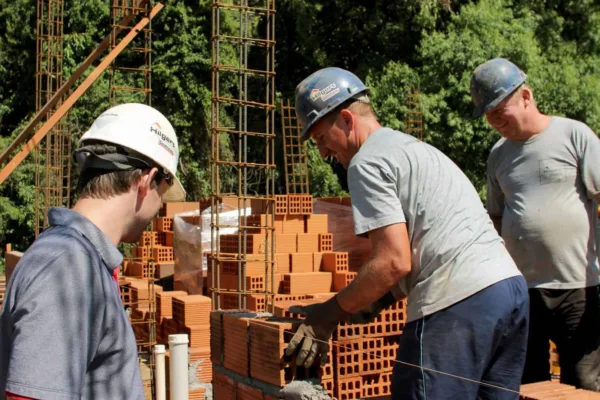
pixel 342 279
pixel 308 243
pixel 293 224
pixel 317 223
pixel 307 282
pixel 306 204
pixel 163 224
pixel 325 242
pixel 223 387
pixel 349 388
pixel 294 204
pixel 281 204
pixel 348 357
pixel 282 263
pixel 302 262
pixel 335 262
pixel 285 243
pixel 318 262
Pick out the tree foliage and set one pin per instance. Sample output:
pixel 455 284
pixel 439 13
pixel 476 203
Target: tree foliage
pixel 395 46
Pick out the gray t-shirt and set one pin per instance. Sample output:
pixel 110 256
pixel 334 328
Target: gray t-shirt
pixel 456 251
pixel 63 330
pixel 544 189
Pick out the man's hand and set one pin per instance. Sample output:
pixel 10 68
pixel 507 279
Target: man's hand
pixel 368 314
pixel 321 320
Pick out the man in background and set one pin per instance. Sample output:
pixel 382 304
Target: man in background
pixel 543 188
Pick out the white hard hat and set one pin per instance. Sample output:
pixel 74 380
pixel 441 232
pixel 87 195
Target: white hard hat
pixel 143 129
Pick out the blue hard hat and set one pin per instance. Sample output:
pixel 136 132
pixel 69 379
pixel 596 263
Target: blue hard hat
pixel 323 91
pixel 492 82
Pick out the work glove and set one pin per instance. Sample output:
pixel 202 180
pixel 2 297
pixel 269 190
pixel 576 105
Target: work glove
pixel 314 333
pixel 369 313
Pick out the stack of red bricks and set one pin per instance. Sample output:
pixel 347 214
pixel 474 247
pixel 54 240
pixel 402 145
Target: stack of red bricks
pixel 153 256
pixel 178 312
pixel 252 347
pixel 307 270
pixel 555 391
pixel 304 261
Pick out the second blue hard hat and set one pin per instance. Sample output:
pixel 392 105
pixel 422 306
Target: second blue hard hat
pixel 492 82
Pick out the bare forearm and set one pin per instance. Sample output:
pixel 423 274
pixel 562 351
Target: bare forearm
pixel 375 279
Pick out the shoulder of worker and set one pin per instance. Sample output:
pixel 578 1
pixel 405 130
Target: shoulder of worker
pixel 573 129
pixel 384 143
pixel 60 251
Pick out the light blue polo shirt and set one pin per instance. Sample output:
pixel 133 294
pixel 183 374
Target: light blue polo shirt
pixel 63 330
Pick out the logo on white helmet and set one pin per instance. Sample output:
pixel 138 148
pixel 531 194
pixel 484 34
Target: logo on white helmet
pixel 164 141
pixel 324 94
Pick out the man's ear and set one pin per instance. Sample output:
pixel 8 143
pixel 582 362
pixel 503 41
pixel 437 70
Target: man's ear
pixel 348 119
pixel 527 95
pixel 145 182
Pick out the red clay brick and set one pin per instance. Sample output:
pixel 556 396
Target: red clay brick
pixel 163 224
pixel 335 262
pixel 268 341
pixel 199 335
pixel 302 262
pixel 233 244
pixel 308 243
pixel 223 387
pixel 307 282
pixel 348 357
pixel 349 388
pixel 162 254
pixel 286 243
pixel 325 242
pixel 245 392
pixel 318 262
pixel 306 204
pixel 294 204
pixel 262 221
pixel 377 385
pixel 282 263
pixel 168 239
pixel 235 329
pixel 317 223
pixel 293 224
pixel 281 204
pixel 342 279
pixel 201 357
pixel 164 303
pixel 192 309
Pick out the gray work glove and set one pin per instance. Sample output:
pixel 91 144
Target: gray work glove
pixel 314 333
pixel 369 313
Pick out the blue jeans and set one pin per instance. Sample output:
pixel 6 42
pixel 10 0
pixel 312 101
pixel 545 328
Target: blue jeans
pixel 483 338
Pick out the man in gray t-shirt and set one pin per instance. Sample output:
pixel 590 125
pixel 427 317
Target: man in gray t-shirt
pixel 543 185
pixel 64 333
pixel 432 242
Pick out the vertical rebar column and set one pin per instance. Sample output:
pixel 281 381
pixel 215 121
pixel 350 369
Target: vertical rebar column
pixel 52 156
pixel 131 82
pixel 242 144
pixel 131 72
pixel 414 120
pixel 295 157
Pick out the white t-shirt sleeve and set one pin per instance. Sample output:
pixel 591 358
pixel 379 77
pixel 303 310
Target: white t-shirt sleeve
pixel 375 198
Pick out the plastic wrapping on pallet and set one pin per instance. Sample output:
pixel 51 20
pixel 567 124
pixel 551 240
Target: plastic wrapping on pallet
pixel 341 225
pixel 192 238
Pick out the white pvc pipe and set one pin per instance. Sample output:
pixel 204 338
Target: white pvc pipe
pixel 178 349
pixel 159 371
